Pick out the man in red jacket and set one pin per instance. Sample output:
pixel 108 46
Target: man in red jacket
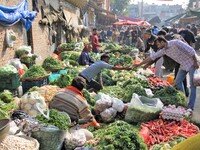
pixel 95 41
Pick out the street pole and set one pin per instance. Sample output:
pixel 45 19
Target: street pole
pixel 142 9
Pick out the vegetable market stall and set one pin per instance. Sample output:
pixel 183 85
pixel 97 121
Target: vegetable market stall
pixel 159 119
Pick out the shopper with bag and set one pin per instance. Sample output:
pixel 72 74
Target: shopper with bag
pixel 71 101
pixel 183 54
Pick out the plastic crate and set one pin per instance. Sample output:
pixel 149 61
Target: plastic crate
pixel 26 85
pixel 10 82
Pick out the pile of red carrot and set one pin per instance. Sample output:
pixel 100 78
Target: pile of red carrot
pixel 160 131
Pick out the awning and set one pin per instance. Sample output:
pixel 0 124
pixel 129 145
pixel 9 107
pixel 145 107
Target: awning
pixel 126 22
pixel 78 3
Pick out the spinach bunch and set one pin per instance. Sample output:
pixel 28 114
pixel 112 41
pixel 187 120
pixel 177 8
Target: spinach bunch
pixel 56 118
pixel 117 136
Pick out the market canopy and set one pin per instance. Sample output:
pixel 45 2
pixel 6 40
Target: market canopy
pixel 143 23
pixel 125 22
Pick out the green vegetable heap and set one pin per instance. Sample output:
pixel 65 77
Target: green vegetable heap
pixel 119 136
pixel 8 69
pixel 56 118
pixel 130 89
pixel 170 95
pixel 63 81
pixel 6 104
pixel 34 72
pixel 66 46
pixel 91 101
pixel 52 63
pixel 20 53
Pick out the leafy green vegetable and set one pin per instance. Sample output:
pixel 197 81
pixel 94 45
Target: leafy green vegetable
pixel 52 63
pixel 130 89
pixel 34 72
pixel 170 95
pixel 63 81
pixel 20 53
pixel 8 69
pixel 56 118
pixel 6 96
pixel 119 136
pixel 88 97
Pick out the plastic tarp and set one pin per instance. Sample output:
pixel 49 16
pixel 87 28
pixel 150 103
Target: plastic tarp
pixel 11 15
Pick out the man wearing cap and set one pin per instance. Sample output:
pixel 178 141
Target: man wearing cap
pixel 150 38
pixel 95 69
pixel 71 101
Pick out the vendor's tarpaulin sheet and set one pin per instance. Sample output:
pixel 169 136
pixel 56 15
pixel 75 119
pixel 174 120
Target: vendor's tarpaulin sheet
pixel 11 15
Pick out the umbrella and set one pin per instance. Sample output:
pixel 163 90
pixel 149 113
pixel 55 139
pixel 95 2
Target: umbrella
pixel 144 23
pixel 125 22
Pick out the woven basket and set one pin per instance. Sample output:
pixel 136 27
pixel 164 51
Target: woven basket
pixel 53 69
pixel 37 78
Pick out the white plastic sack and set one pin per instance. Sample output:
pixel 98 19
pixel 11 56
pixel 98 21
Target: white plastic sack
pixel 10 37
pixel 31 101
pixel 16 63
pixel 108 114
pixel 103 102
pixel 196 79
pixel 149 92
pixel 118 104
pixel 74 139
pixel 142 109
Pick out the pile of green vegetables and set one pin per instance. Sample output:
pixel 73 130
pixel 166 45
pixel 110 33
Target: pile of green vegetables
pixel 169 95
pixel 130 89
pixel 118 136
pixel 34 72
pixel 56 118
pixel 28 59
pixel 8 69
pixel 114 91
pixel 113 46
pixel 90 100
pixel 52 63
pixel 118 59
pixel 20 53
pixel 63 81
pixel 66 47
pixel 7 104
pixel 70 55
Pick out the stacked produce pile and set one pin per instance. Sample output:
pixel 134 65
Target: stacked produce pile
pixel 119 86
pixel 52 64
pixel 7 104
pixel 159 131
pixel 117 136
pixel 34 72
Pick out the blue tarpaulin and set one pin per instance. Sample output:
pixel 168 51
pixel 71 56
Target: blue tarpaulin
pixel 11 15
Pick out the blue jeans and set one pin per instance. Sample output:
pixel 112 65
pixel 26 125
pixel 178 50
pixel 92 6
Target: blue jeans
pixel 179 85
